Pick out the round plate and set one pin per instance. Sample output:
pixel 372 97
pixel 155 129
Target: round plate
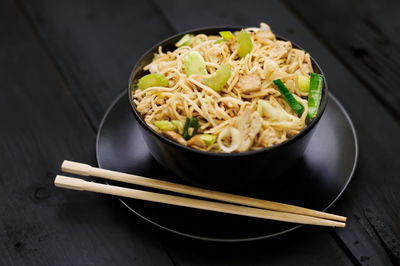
pixel 315 182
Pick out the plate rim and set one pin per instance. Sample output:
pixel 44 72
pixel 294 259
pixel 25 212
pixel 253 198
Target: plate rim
pixel 232 240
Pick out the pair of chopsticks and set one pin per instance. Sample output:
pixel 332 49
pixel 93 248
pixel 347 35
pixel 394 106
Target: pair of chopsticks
pixel 246 206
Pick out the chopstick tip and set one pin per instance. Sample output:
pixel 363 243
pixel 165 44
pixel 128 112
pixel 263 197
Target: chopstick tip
pixel 75 168
pixel 69 182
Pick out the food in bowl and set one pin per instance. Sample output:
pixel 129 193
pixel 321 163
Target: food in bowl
pixel 240 91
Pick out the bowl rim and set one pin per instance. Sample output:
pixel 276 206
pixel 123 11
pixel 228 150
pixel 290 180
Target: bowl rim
pixel 304 131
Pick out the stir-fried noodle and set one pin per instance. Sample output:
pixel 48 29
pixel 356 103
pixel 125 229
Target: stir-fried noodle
pixel 249 112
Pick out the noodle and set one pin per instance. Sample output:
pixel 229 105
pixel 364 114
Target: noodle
pixel 233 115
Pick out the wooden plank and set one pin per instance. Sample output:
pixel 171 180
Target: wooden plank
pixel 366 42
pixel 375 152
pixel 42 125
pixel 307 246
pixel 365 38
pixel 376 182
pixel 95 45
pixel 57 19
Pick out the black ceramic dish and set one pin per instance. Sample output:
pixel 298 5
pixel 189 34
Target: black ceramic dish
pixel 316 181
pixel 221 170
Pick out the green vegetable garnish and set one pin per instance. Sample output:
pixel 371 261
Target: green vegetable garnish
pixel 227 35
pixel 152 80
pixel 190 128
pixel 220 78
pixel 194 64
pixel 288 96
pixel 208 139
pixel 187 39
pixel 165 125
pixel 303 83
pixel 178 124
pixel 245 44
pixel 314 94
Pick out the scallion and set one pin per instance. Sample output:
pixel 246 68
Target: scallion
pixel 190 128
pixel 288 96
pixel 165 125
pixel 303 83
pixel 227 35
pixel 314 94
pixel 208 139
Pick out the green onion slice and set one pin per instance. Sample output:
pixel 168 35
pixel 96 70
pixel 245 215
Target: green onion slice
pixel 303 83
pixel 165 125
pixel 190 128
pixel 208 139
pixel 288 96
pixel 227 35
pixel 314 94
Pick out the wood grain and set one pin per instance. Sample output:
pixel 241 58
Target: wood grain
pixel 378 166
pixel 365 38
pixel 41 124
pixel 96 44
pixel 281 250
pixel 53 19
pixel 367 42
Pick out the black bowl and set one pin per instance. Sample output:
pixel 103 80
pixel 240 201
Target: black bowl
pixel 222 170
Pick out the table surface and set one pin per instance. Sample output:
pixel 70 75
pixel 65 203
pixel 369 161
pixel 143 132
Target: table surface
pixel 63 63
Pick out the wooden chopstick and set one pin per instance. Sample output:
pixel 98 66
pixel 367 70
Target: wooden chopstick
pixel 87 170
pixel 82 185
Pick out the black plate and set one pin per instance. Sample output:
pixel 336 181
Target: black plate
pixel 316 181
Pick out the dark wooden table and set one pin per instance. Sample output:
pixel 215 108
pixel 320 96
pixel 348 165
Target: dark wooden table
pixel 63 63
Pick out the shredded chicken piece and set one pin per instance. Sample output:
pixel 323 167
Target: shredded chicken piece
pixel 249 124
pixel 281 49
pixel 292 133
pixel 145 105
pixel 269 137
pixel 175 136
pixel 265 35
pixel 197 142
pixel 249 83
